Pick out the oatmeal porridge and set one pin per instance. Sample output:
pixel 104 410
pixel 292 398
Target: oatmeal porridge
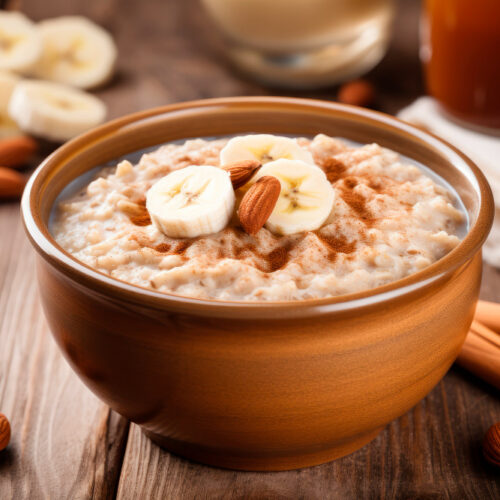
pixel 337 218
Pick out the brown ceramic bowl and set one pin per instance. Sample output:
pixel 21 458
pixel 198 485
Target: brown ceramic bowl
pixel 246 385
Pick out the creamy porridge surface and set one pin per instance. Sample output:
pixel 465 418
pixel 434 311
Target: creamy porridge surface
pixel 388 220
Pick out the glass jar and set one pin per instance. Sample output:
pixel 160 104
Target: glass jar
pixel 461 53
pixel 303 43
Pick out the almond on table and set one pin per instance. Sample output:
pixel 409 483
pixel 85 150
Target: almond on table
pixel 4 432
pixel 11 184
pixel 357 93
pixel 491 445
pixel 17 151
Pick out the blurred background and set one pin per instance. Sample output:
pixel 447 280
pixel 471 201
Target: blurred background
pixel 170 50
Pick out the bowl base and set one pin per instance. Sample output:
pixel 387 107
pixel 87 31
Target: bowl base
pixel 226 460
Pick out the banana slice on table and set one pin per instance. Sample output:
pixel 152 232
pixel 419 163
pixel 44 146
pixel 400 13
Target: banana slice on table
pixel 76 52
pixel 20 42
pixel 191 201
pixel 305 200
pixel 263 148
pixel 8 126
pixel 54 111
pixel 7 83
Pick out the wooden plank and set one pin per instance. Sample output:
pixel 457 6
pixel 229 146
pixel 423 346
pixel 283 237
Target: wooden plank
pixel 65 442
pixel 432 452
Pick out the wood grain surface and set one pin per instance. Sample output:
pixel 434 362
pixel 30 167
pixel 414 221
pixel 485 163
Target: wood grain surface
pixel 67 444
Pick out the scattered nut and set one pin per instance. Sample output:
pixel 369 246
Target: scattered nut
pixel 11 183
pixel 4 431
pixel 17 151
pixel 258 203
pixel 357 93
pixel 242 171
pixel 491 445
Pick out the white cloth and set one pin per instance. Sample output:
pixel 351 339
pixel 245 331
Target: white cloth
pixel 484 151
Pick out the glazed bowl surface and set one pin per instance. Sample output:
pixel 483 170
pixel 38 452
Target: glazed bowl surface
pixel 258 385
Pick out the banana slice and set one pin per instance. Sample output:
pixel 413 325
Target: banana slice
pixel 20 42
pixel 8 127
pixel 191 201
pixel 263 148
pixel 306 197
pixel 7 83
pixel 76 52
pixel 53 111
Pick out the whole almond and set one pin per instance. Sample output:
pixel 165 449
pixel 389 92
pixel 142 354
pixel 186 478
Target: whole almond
pixel 4 431
pixel 258 203
pixel 491 445
pixel 17 151
pixel 242 171
pixel 11 183
pixel 357 93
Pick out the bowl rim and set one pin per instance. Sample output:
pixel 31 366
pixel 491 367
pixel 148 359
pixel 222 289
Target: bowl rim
pixel 43 242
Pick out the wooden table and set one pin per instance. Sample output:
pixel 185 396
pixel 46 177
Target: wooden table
pixel 67 444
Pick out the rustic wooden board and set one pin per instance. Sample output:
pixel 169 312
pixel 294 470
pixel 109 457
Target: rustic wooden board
pixel 66 444
pixel 432 452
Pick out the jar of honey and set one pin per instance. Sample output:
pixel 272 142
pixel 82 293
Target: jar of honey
pixel 461 53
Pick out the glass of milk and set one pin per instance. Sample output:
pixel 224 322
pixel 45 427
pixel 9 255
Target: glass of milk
pixel 303 43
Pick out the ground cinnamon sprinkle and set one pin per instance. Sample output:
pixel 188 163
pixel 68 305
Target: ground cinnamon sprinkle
pixel 277 258
pixel 246 248
pixel 356 201
pixel 274 260
pixel 336 245
pixel 141 220
pixel 236 231
pixel 334 169
pixel 375 185
pixel 182 246
pixel 145 242
pixel 350 182
pixel 162 247
pixel 179 249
